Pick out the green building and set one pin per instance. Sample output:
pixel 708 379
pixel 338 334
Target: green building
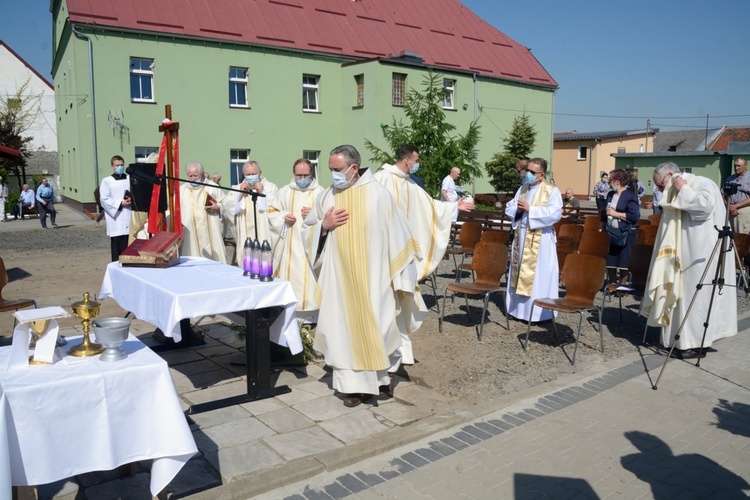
pixel 275 80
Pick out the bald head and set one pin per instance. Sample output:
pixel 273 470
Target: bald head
pixel 455 173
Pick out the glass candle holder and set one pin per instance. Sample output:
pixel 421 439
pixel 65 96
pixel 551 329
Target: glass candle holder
pixel 247 257
pixel 266 262
pixel 255 261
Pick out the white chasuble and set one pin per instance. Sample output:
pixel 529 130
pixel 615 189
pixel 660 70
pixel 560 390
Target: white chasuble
pixel 201 230
pixel 367 269
pixel 244 221
pixel 296 245
pixel 534 270
pixel 684 242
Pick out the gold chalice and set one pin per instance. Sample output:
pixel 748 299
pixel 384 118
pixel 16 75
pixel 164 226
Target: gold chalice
pixel 86 310
pixel 39 328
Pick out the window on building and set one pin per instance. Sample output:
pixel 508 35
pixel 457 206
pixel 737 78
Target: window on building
pixel 310 92
pixel 142 152
pixel 449 93
pixel 312 157
pixel 398 89
pixel 141 80
pixel 237 158
pixel 620 150
pixel 237 87
pixel 360 81
pixel 687 170
pixel 583 152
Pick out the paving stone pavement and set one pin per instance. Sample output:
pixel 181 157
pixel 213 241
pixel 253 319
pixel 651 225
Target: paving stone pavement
pixel 606 435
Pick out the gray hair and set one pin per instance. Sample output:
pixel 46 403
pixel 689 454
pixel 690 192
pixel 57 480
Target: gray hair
pixel 350 154
pixel 250 163
pixel 667 166
pixel 216 174
pixel 194 164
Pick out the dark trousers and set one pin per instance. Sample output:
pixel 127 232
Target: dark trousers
pixel 20 208
pixel 118 244
pixel 49 208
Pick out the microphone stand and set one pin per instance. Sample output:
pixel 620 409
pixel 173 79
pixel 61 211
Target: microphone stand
pixel 159 179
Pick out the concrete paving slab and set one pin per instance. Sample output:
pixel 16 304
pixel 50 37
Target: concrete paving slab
pixel 354 426
pixel 401 414
pixel 285 420
pixel 321 409
pixel 220 416
pixel 233 461
pixel 215 393
pixel 231 434
pixel 303 443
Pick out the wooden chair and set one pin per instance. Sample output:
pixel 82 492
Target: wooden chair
pixel 650 234
pixel 491 236
pixel 489 264
pixel 583 276
pixel 562 222
pixel 432 278
pixel 594 243
pixel 644 222
pixel 592 222
pixel 469 235
pixel 638 264
pixel 565 247
pixel 11 305
pixel 573 231
pixel 655 219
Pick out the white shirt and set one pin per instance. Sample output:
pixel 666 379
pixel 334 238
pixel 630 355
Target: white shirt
pixel 449 186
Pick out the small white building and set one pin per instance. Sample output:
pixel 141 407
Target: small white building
pixel 14 72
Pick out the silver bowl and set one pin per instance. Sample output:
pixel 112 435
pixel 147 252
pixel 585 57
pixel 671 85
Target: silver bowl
pixel 111 333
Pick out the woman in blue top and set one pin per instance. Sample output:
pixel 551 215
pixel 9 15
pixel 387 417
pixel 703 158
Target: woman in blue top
pixel 620 221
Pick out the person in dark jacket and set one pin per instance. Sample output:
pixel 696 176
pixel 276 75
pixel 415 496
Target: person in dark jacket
pixel 620 220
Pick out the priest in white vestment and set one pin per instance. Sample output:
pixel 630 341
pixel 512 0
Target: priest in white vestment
pixel 297 245
pixel 244 221
pixel 201 216
pixel 534 271
pixel 368 266
pixel 429 220
pixel 692 206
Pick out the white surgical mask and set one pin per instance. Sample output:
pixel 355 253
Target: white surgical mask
pixel 252 179
pixel 120 169
pixel 303 183
pixel 339 180
pixel 414 168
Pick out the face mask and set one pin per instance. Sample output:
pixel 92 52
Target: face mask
pixel 414 168
pixel 120 169
pixel 339 180
pixel 252 179
pixel 195 184
pixel 303 183
pixel 605 180
pixel 529 178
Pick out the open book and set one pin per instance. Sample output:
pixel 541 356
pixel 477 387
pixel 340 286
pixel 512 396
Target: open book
pixel 162 250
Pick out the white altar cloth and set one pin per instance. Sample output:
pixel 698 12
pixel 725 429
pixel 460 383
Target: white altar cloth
pixel 61 420
pixel 199 287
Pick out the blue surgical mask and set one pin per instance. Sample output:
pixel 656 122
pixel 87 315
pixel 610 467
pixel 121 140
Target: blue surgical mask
pixel 605 180
pixel 339 180
pixel 120 169
pixel 303 183
pixel 195 184
pixel 414 168
pixel 529 178
pixel 252 179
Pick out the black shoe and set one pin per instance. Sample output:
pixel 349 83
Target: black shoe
pixel 688 354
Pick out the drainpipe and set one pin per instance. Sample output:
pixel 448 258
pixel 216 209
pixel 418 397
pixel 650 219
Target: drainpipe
pixel 591 154
pixel 473 178
pixel 93 105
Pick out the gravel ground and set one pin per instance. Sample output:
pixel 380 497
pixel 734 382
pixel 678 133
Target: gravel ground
pixel 59 264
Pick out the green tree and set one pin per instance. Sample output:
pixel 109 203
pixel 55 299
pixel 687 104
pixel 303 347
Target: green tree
pixel 439 149
pixel 17 113
pixel 518 145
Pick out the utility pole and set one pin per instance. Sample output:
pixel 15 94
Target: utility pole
pixel 648 128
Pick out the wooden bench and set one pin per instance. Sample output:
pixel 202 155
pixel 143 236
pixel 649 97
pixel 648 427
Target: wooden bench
pixel 32 212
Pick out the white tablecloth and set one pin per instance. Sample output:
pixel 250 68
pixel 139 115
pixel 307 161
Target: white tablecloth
pixel 199 287
pixel 61 420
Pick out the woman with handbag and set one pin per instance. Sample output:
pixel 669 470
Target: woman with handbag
pixel 620 220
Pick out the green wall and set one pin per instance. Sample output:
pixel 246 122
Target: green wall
pixel 715 166
pixel 192 76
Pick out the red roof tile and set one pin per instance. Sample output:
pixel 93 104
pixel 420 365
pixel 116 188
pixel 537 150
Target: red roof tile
pixel 730 134
pixel 443 32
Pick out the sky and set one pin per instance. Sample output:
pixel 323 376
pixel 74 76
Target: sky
pixel 617 64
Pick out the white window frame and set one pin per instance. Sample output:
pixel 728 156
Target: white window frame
pixel 583 152
pixel 141 153
pixel 237 158
pixel 242 82
pixel 449 96
pixel 313 89
pixel 313 157
pixel 143 72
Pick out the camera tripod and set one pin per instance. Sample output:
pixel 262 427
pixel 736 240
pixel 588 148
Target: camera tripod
pixel 724 244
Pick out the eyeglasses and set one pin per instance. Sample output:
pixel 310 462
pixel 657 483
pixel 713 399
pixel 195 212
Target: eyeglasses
pixel 535 173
